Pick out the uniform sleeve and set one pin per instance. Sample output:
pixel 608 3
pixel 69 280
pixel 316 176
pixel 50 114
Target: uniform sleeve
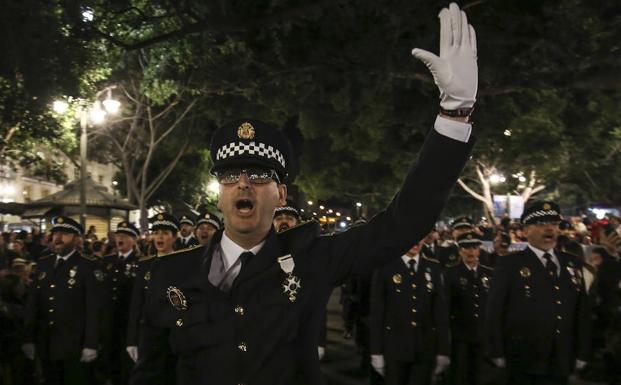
pixel 441 317
pixel 376 316
pixel 496 300
pixel 154 355
pixel 407 219
pixel 583 325
pixel 31 313
pixel 94 295
pixel 135 307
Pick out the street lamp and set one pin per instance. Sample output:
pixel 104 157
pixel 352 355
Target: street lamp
pixel 94 114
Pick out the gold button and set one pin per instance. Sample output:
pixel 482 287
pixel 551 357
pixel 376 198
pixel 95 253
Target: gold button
pixel 476 315
pixel 242 346
pixel 413 297
pixel 556 287
pixel 51 298
pixel 476 296
pixel 413 310
pixel 51 310
pixel 559 317
pixel 414 323
pixel 558 331
pixel 179 322
pixel 114 298
pixel 114 288
pixel 411 273
pixel 558 301
pixel 52 286
pixel 413 286
pixel 476 305
pixel 239 310
pixel 113 279
pixel 51 323
pixel 387 327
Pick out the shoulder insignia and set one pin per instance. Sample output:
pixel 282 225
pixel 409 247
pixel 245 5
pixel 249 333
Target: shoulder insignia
pixel 487 267
pixel 146 258
pixel 189 249
pixel 430 259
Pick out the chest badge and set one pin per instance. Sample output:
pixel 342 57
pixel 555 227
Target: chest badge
pixel 397 278
pixel 463 281
pixel 176 298
pixel 73 271
pixel 42 276
pixel 525 272
pixel 292 284
pixel 485 281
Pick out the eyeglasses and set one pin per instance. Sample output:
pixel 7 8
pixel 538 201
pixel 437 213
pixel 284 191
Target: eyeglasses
pixel 255 175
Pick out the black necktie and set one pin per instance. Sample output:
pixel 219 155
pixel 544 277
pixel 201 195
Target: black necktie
pixel 60 262
pixel 550 266
pixel 412 263
pixel 245 258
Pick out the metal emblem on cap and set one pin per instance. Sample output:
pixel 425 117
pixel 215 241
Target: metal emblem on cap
pixel 245 131
pixel 176 298
pixel 160 217
pixel 546 206
pixel 60 220
pixel 525 272
pixel 396 278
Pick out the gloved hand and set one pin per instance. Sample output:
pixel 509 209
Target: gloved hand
pixel 455 71
pixel 29 350
pixel 88 355
pixel 133 352
pixel 377 362
pixel 500 362
pixel 580 364
pixel 321 352
pixel 442 362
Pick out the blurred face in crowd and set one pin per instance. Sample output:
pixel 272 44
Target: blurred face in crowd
pixel 461 230
pixel 248 208
pixel 470 254
pixel 431 237
pixel 186 230
pixel 163 240
pixel 542 235
pixel 63 242
pixel 499 247
pixel 18 246
pixel 596 258
pixel 124 242
pixel 414 250
pixel 204 233
pixel 283 221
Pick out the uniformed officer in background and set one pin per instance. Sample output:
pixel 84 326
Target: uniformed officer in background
pixel 63 309
pixel 186 233
pixel 206 226
pixel 286 216
pixel 249 308
pixel 409 322
pixel 163 236
pixel 449 254
pixel 467 284
pixel 538 315
pixel 120 269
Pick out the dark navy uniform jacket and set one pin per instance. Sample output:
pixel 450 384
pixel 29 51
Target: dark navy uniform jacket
pixel 63 309
pixel 532 317
pixel 409 318
pixel 254 334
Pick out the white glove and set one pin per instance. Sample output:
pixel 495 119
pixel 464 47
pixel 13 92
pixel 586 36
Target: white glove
pixel 580 364
pixel 455 71
pixel 88 355
pixel 500 362
pixel 133 352
pixel 442 362
pixel 321 352
pixel 29 351
pixel 377 362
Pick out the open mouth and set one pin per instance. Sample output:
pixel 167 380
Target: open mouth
pixel 159 245
pixel 244 206
pixel 283 226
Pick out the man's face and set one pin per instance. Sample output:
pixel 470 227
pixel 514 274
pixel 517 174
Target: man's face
pixel 204 233
pixel 124 242
pixel 542 235
pixel 63 242
pixel 498 246
pixel 414 250
pixel 461 230
pixel 186 230
pixel 248 209
pixel 470 254
pixel 163 240
pixel 284 221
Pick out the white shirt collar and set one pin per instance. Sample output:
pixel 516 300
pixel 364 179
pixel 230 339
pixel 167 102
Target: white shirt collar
pixel 186 239
pixel 124 256
pixel 475 268
pixel 406 259
pixel 231 250
pixel 539 253
pixel 65 257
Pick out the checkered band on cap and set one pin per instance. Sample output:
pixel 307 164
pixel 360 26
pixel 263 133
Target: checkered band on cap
pixel 253 148
pixel 163 222
pixel 67 226
pixel 209 221
pixel 287 209
pixel 469 241
pixel 187 221
pixel 536 216
pixel 127 230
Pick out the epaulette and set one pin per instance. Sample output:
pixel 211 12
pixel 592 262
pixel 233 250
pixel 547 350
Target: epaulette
pixel 486 267
pixel 430 259
pixel 146 258
pixel 299 237
pixel 192 248
pixel 90 258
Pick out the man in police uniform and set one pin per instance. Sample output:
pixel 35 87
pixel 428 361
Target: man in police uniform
pixel 186 234
pixel 206 226
pixel 120 269
pixel 538 318
pixel 449 255
pixel 467 284
pixel 249 308
pixel 409 322
pixel 286 216
pixel 63 307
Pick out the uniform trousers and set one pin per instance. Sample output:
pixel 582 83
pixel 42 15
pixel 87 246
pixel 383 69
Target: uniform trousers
pixel 408 372
pixel 467 363
pixel 69 371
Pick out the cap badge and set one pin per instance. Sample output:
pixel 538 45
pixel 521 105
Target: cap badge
pixel 60 220
pixel 397 279
pixel 207 216
pixel 176 298
pixel 546 206
pixel 245 131
pixel 525 272
pixel 160 217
